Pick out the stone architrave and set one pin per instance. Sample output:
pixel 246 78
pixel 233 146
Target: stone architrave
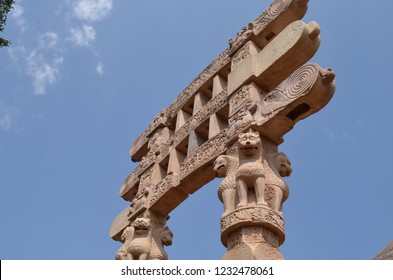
pixel 229 123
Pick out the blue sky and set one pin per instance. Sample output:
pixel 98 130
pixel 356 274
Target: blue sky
pixel 83 78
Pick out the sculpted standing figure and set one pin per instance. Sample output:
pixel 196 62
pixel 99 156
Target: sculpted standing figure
pixel 226 166
pixel 250 174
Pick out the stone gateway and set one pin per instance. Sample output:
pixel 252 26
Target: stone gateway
pixel 229 123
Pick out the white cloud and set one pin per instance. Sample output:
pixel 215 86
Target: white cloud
pixel 7 116
pixel 17 15
pixel 41 63
pixel 82 37
pixel 43 72
pixel 48 40
pixel 92 10
pixel 100 69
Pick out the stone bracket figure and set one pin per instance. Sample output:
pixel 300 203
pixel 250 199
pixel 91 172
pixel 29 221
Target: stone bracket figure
pixel 145 239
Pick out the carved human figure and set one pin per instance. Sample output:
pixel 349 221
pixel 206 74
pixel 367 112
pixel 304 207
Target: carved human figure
pixel 250 174
pixel 243 117
pixel 278 166
pixel 242 34
pixel 227 166
pixel 140 199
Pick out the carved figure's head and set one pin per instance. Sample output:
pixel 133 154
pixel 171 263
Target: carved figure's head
pixel 142 226
pixel 249 143
pixel 283 164
pixel 221 166
pixel 166 236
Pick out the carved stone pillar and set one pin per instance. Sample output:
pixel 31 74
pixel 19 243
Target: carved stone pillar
pixel 252 225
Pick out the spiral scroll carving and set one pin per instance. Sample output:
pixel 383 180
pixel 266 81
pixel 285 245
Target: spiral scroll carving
pixel 277 7
pixel 300 82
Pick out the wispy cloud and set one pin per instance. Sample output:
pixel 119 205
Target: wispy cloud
pixel 48 40
pixel 41 63
pixel 17 15
pixel 43 72
pixel 100 69
pixel 88 11
pixel 82 37
pixel 7 116
pixel 92 10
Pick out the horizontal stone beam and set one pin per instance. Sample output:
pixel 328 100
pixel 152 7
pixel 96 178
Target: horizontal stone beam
pixel 262 30
pixel 268 67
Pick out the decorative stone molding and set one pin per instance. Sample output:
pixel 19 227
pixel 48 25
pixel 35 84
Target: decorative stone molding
pixel 261 216
pixel 204 154
pixel 162 187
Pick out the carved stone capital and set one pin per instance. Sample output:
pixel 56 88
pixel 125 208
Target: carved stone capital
pixel 256 216
pixel 252 235
pixel 145 238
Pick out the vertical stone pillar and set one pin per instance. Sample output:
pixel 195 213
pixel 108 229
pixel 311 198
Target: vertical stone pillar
pixel 253 190
pixel 252 225
pixel 216 125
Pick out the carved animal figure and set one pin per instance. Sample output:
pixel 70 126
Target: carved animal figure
pixel 161 237
pixel 251 172
pixel 126 238
pixel 145 239
pixel 243 117
pixel 278 166
pixel 226 166
pixel 140 246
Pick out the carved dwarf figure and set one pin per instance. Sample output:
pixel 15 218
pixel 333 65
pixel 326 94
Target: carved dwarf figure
pixel 278 166
pixel 250 173
pixel 226 166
